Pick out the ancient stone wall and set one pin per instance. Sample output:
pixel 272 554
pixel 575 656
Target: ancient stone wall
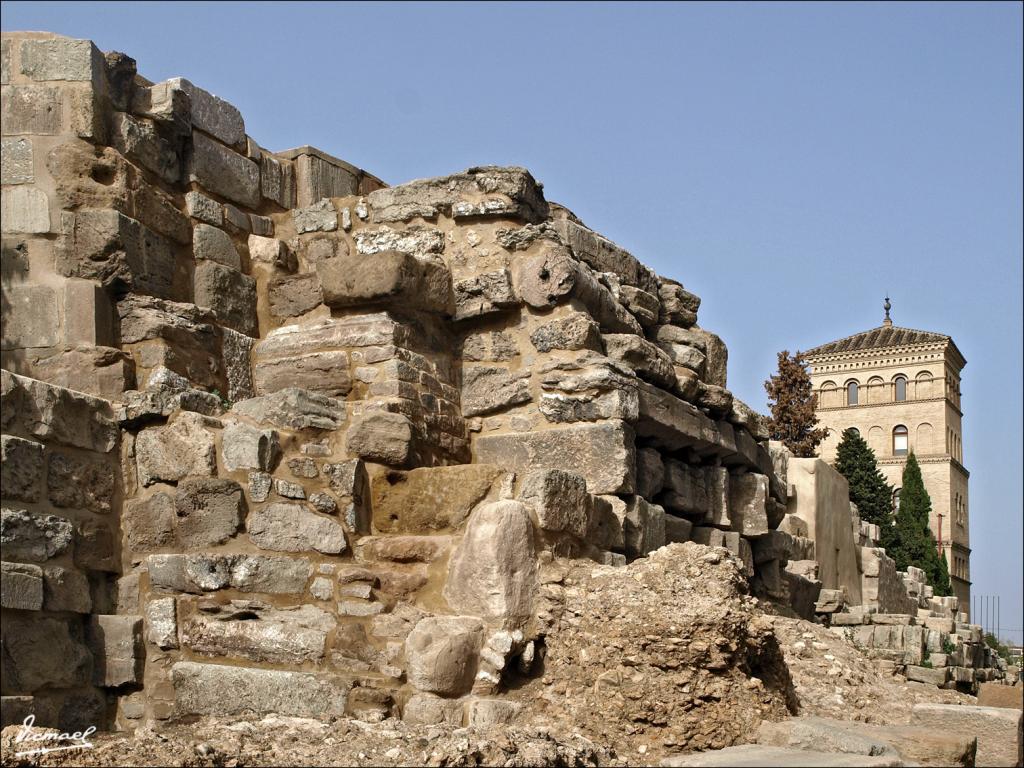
pixel 338 434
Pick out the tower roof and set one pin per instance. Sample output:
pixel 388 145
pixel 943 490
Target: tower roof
pixel 877 338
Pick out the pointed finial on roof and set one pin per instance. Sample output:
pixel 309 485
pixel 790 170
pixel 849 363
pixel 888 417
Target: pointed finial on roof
pixel 888 320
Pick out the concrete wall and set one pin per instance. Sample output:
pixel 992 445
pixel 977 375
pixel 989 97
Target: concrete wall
pixel 821 498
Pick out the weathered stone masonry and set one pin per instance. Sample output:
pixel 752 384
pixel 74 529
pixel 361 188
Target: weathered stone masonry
pixel 280 437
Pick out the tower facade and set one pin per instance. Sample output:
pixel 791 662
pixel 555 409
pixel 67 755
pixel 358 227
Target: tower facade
pixel 900 388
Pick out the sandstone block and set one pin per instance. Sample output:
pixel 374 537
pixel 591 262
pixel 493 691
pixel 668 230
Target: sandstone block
pixel 294 295
pixel 294 408
pixel 31 317
pixel 260 633
pixel 484 294
pixel 149 523
pixel 172 452
pixel 208 511
pixel 748 496
pixel 646 307
pixel 321 216
pixel 117 251
pixel 489 346
pixel 318 175
pixel 16 161
pixel 224 172
pixel 162 623
pixel 30 646
pixel 66 590
pixel 650 472
pixel 215 244
pixel 197 573
pixel 21 586
pixel 493 571
pixel 572 332
pixel 292 528
pixel 102 371
pixel 62 59
pixel 21 468
pixel 277 181
pixel 604 530
pixel 430 498
pixel 602 453
pixel 116 645
pixel 441 654
pixel 204 208
pixel 214 689
pixel 31 109
pixel 35 538
pixel 325 372
pixel 390 276
pixel 229 293
pixel 649 362
pixel 999 730
pixel 643 526
pixel 24 209
pixel 246 447
pixel 603 255
pixel 678 306
pixel 60 415
pixel 677 529
pixel 79 483
pixel 141 142
pixel 382 437
pixel 559 499
pixel 486 389
pixel 212 114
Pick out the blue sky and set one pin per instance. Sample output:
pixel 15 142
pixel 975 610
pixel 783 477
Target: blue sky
pixel 789 163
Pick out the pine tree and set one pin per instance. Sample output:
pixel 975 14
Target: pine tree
pixel 911 541
pixel 868 490
pixel 792 403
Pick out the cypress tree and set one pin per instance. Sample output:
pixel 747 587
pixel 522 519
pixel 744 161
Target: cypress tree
pixel 912 542
pixel 868 490
pixel 792 403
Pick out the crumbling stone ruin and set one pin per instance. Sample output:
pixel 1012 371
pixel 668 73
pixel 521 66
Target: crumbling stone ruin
pixel 280 438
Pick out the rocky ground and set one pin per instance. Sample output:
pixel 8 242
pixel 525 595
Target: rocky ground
pixel 665 656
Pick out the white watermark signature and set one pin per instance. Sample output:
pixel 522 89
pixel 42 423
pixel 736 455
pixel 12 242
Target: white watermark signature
pixel 29 738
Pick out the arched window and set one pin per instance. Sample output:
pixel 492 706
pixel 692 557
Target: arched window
pixel 900 440
pixel 900 385
pixel 855 431
pixel 827 398
pixel 896 499
pixel 851 393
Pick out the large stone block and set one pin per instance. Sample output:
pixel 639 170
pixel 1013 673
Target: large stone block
pixel 32 537
pixel 172 452
pixel 429 499
pixel 678 306
pixel 605 256
pixel 572 332
pixel 16 161
pixel 198 573
pixel 116 644
pixel 650 472
pixel 488 388
pixel 102 371
pixel 214 244
pixel 149 523
pixel 117 251
pixel 224 172
pixel 66 590
pixel 79 483
pixel 294 408
pixel 293 528
pixel 643 526
pixel 382 437
pixel 162 623
pixel 24 210
pixel 999 730
pixel 603 453
pixel 255 631
pixel 21 468
pixel 214 689
pixel 246 447
pixel 320 216
pixel 211 113
pixel 484 294
pixel 442 653
pixel 208 511
pixel 31 109
pixel 59 415
pixel 294 295
pixel 748 497
pixel 414 241
pixel 559 499
pixel 648 361
pixel 318 175
pixel 141 142
pixel 21 586
pixel 43 652
pixel 229 293
pixel 390 276
pixel 472 193
pixel 493 571
pixel 31 317
pixel 62 58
